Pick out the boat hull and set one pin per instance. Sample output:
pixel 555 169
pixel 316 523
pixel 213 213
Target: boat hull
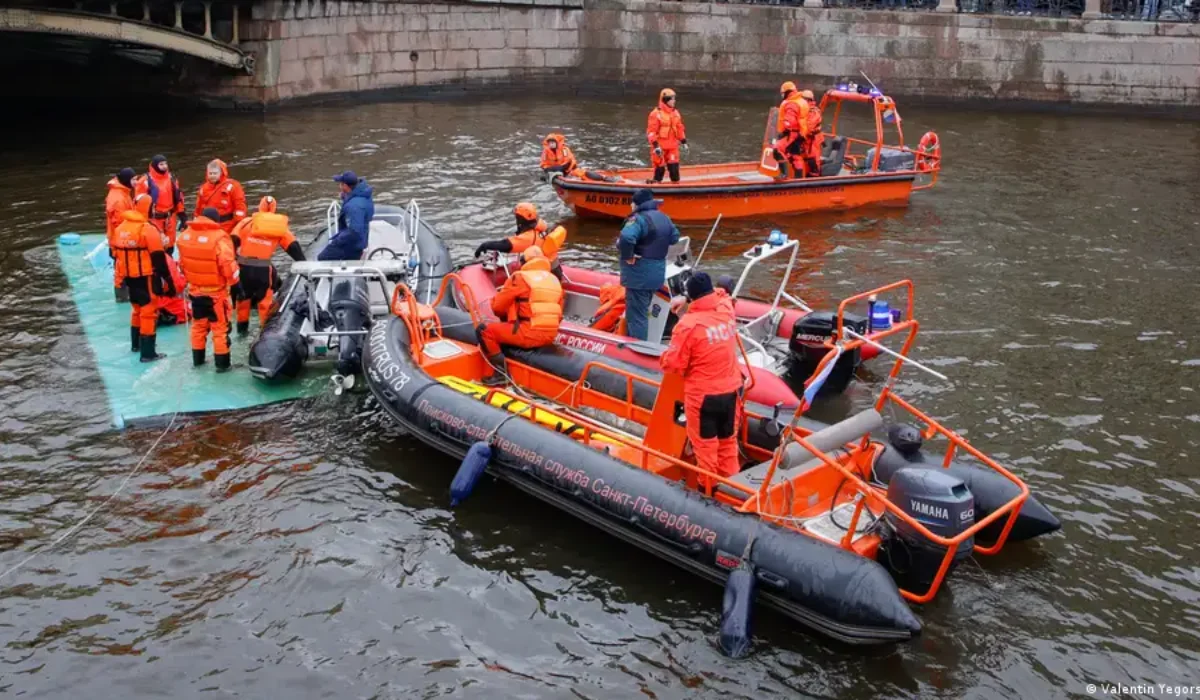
pixel 820 585
pixel 714 194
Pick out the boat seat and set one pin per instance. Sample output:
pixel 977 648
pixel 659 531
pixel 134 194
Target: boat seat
pixel 833 155
pixel 797 460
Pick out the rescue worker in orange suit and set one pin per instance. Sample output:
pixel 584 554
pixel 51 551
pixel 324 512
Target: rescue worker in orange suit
pixel 558 158
pixel 167 212
pixel 704 350
pixel 531 301
pixel 815 140
pixel 531 231
pixel 792 131
pixel 118 201
pixel 255 239
pixel 141 265
pixel 223 193
pixel 209 263
pixel 664 130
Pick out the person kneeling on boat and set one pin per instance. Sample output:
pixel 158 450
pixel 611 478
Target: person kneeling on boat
pixel 793 132
pixel 140 263
pixel 255 240
pixel 532 302
pixel 207 258
pixel 557 158
pixel 531 231
pixel 645 240
pixel 704 350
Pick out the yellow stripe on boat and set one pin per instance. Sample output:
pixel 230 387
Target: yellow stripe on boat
pixel 512 404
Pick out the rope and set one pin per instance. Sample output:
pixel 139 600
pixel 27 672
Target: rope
pixel 124 482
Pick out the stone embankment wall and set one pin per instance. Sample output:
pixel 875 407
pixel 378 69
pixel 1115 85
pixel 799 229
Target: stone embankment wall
pixel 312 50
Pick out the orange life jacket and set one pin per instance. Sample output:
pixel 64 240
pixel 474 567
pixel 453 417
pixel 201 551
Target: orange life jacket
pixel 550 242
pixel 164 193
pixel 264 232
pixel 118 201
pixel 665 127
pixel 542 309
pixel 612 308
pixel 793 115
pixel 206 256
pixel 226 196
pixel 560 156
pixel 132 243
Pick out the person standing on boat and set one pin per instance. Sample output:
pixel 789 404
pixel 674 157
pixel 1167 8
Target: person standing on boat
pixel 792 131
pixel 118 201
pixel 704 350
pixel 664 130
pixel 531 231
pixel 354 221
pixel 167 212
pixel 531 301
pixel 207 258
pixel 557 157
pixel 140 265
pixel 223 193
pixel 643 244
pixel 255 240
pixel 815 140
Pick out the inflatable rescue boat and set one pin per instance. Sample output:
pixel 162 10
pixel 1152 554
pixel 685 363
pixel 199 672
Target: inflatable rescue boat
pixel 840 528
pixel 854 173
pixel 783 343
pixel 327 307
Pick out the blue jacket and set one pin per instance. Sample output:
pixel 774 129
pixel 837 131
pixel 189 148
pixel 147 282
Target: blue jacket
pixel 355 220
pixel 647 234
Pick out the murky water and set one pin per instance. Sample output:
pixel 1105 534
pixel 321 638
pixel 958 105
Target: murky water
pixel 307 550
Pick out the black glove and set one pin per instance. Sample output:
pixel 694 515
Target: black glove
pixel 295 251
pixel 237 243
pixel 182 222
pixel 683 142
pixel 161 282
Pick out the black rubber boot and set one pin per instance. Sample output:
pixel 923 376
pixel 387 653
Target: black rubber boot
pixel 198 357
pixel 499 370
pixel 658 174
pixel 673 169
pixel 222 363
pixel 148 353
pixel 122 293
pixel 135 339
pixel 243 327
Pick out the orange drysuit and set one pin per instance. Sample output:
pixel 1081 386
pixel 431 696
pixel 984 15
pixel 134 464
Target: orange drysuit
pixel 704 349
pixel 207 258
pixel 255 240
pixel 665 132
pixel 173 310
pixel 118 201
pixel 140 264
pixel 612 308
pixel 793 132
pixel 815 140
pixel 557 156
pixel 531 300
pixel 226 196
pixel 167 198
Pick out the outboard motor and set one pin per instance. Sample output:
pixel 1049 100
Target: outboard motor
pixel 280 350
pixel 350 304
pixel 940 502
pixel 806 350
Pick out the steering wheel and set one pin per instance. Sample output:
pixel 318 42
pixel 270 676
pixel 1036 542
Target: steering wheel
pixel 381 249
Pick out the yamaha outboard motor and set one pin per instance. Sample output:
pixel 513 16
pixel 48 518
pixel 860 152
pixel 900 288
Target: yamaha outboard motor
pixel 280 350
pixel 806 350
pixel 940 502
pixel 350 304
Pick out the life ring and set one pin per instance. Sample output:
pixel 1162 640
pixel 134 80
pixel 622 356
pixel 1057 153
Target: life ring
pixel 929 152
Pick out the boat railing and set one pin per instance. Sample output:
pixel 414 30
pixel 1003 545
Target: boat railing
pixel 424 321
pixel 757 255
pixel 331 217
pixel 910 325
pixel 313 270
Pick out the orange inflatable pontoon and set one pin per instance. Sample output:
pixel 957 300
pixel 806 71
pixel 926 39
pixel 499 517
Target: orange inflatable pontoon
pixel 854 173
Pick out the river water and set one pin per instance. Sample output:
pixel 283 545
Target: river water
pixel 307 549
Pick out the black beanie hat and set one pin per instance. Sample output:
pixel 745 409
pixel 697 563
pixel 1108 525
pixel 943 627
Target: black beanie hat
pixel 125 176
pixel 699 285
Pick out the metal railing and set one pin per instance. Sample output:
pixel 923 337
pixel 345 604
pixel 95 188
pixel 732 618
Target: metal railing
pixel 1143 10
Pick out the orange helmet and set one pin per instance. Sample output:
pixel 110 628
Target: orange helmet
pixel 787 87
pixel 526 211
pixel 807 94
pixel 141 204
pixel 267 204
pixel 533 252
pixel 666 92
